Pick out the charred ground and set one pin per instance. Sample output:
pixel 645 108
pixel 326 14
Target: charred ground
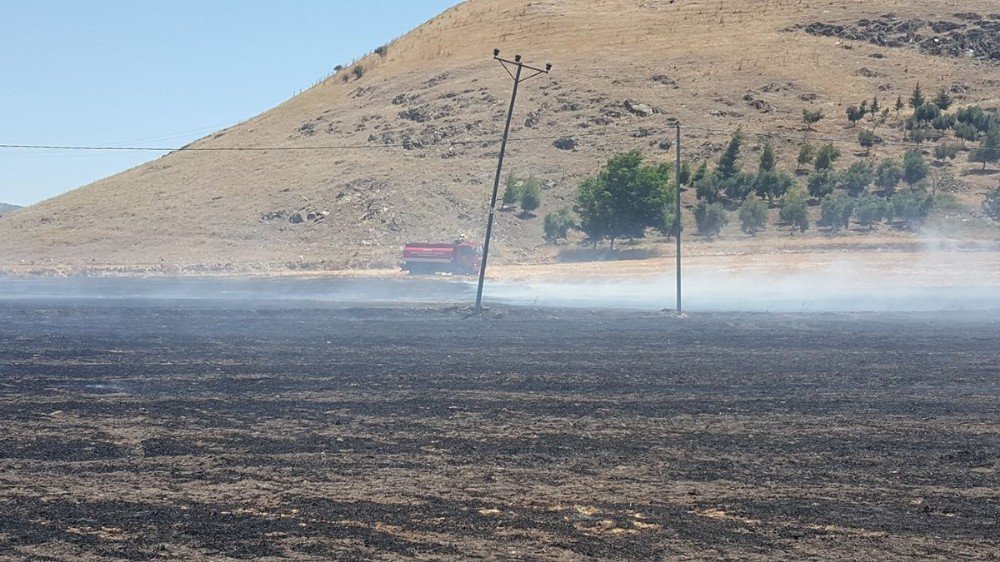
pixel 142 429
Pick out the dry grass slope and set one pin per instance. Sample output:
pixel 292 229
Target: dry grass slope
pixel 438 101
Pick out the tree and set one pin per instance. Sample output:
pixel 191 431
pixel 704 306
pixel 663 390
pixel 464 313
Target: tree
pixel 625 199
pixel 899 105
pixel 513 190
pixel 773 184
pixel 807 153
pixel 710 218
pixel 917 98
pixel 728 162
pixel 943 122
pixel 912 207
pixel 707 188
pixel 943 100
pixel 926 113
pixel 811 117
pixel 857 178
pixel 768 159
pixel 945 151
pixel 557 225
pixel 989 148
pixel 870 210
pixel 739 186
pixel 867 139
pixel 753 215
pixel 822 183
pixel 795 210
pixel 914 167
pixel 854 114
pixel 875 106
pixel 531 197
pixel 826 156
pixel 835 211
pixel 887 176
pixel 991 204
pixel 966 132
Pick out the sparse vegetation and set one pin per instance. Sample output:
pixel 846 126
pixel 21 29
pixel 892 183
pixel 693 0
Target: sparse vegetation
pixel 807 154
pixel 989 148
pixel 856 179
pixel 531 197
pixel 822 183
pixel 887 176
pixel 917 98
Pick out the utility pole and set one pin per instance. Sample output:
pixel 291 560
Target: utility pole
pixel 677 174
pixel 516 75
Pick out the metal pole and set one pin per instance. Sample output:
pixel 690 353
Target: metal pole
pixel 677 174
pixel 496 187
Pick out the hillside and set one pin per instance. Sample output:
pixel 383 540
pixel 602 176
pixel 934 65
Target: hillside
pixel 404 147
pixel 6 208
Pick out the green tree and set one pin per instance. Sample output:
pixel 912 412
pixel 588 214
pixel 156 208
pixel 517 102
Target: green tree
pixel 531 197
pixel 811 117
pixel 513 190
pixel 826 156
pixel 857 178
pixel 854 114
pixel 822 183
pixel 835 211
pixel 899 105
pixel 912 207
pixel 926 113
pixel 557 225
pixel 867 139
pixel 875 106
pixel 914 167
pixel 625 199
pixel 710 218
pixel 870 210
pixel 773 184
pixel 966 132
pixel 729 161
pixel 943 100
pixel 807 153
pixel 887 176
pixel 768 159
pixel 753 215
pixel 989 148
pixel 739 186
pixel 795 210
pixel 945 151
pixel 917 98
pixel 707 188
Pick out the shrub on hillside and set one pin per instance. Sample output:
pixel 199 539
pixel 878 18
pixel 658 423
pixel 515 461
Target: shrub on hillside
pixel 914 167
pixel 795 210
pixel 822 183
pixel 870 210
pixel 912 207
pixel 826 156
pixel 835 211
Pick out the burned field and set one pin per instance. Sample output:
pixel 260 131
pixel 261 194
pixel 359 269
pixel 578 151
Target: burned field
pixel 145 430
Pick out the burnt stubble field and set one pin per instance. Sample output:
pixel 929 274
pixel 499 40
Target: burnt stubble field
pixel 165 429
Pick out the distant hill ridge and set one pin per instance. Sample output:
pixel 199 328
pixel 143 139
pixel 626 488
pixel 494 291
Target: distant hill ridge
pixel 414 129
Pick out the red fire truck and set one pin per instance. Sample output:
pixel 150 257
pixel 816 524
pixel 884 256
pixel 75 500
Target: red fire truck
pixel 459 258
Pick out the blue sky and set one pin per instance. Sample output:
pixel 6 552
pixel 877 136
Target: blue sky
pixel 100 72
